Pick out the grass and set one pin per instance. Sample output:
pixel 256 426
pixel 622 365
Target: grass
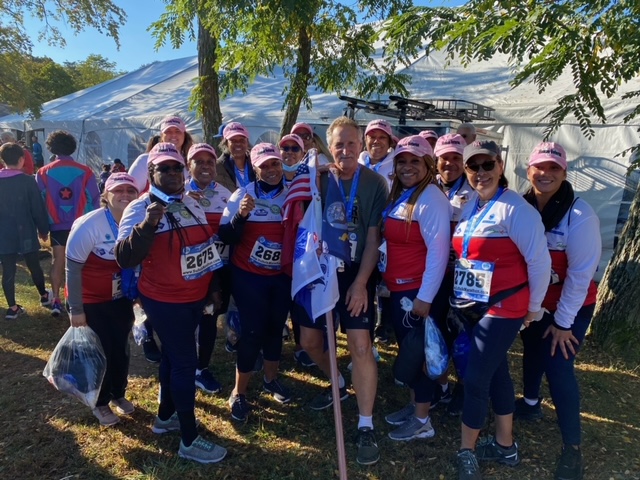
pixel 47 435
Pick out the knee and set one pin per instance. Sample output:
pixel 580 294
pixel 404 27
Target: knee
pixel 361 349
pixel 311 340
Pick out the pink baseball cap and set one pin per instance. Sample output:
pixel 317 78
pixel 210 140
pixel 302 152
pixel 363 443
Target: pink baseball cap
pixel 428 134
pixel 235 129
pixel 416 145
pixel 449 143
pixel 201 147
pixel 292 137
pixel 164 152
pixel 120 178
pixel 263 152
pixel 380 124
pixel 173 121
pixel 548 152
pixel 302 126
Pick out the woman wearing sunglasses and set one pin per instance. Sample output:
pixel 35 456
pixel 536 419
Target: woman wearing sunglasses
pixel 500 245
pixel 292 150
pixel 551 345
pixel 167 233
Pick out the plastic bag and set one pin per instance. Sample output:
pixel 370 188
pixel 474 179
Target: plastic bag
pixel 77 365
pixel 233 323
pixel 461 348
pixel 139 329
pixel 435 350
pixel 410 359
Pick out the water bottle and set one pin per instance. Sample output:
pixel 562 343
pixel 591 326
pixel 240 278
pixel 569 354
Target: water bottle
pixel 461 348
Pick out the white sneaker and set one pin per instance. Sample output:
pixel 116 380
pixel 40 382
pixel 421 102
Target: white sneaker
pixel 202 451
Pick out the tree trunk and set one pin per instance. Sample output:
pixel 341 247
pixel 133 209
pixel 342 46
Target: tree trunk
pixel 208 97
pixel 616 322
pixel 300 82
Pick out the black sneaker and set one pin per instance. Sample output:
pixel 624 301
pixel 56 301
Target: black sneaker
pixel 368 451
pixel 151 351
pixel 13 314
pixel 455 405
pixel 569 466
pixel 381 335
pixel 206 382
pixel 229 347
pixel 488 450
pixel 239 407
pixel 280 392
pixel 325 399
pixel 468 468
pixel 524 411
pixel 440 397
pixel 304 359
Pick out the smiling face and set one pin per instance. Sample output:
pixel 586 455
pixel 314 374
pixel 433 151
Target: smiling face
pixel 546 178
pixel 203 168
pixel 173 135
pixel 378 143
pixel 485 182
pixel 238 146
pixel 291 152
pixel 345 146
pixel 410 169
pixel 270 171
pixel 169 177
pixel 119 197
pixel 450 166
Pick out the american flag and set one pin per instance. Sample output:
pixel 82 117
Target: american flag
pixel 299 190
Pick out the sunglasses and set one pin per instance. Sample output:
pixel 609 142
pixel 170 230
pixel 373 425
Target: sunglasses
pixel 167 169
pixel 486 166
pixel 294 149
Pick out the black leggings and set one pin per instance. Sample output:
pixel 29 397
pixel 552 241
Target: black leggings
pixel 9 261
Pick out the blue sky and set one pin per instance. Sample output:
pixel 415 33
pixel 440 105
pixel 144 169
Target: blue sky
pixel 137 44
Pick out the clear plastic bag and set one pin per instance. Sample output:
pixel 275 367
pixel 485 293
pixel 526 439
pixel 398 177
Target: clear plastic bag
pixel 139 329
pixel 435 350
pixel 77 365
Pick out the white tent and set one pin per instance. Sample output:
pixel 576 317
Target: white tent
pixel 116 118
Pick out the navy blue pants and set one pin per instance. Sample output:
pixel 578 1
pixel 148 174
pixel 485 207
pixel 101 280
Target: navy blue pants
pixel 560 372
pixel 263 305
pixel 487 375
pixel 403 322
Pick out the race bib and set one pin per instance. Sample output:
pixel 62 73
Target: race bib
pixel 198 260
pixel 116 286
pixel 472 279
pixel 266 254
pixel 222 248
pixel 382 261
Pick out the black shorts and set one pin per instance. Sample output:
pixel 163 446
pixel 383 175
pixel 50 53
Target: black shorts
pixel 364 321
pixel 59 238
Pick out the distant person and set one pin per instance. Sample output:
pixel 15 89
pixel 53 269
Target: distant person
pixel 70 190
pixel 104 175
pixel 9 137
pixel 36 148
pixel 430 136
pixel 468 132
pixel 118 166
pixel 23 218
pixel 234 165
pixel 312 140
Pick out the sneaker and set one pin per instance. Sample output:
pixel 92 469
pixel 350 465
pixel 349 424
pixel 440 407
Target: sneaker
pixel 569 466
pixel 151 351
pixel 239 407
pixel 468 468
pixel 202 451
pixel 440 397
pixel 206 382
pixel 454 407
pixel 527 412
pixel 325 399
pixel 304 359
pixel 412 428
pixel 123 406
pixel 45 300
pixel 56 307
pixel 488 450
pixel 229 347
pixel 171 425
pixel 280 392
pixel 401 416
pixel 381 335
pixel 368 451
pixel 13 314
pixel 105 415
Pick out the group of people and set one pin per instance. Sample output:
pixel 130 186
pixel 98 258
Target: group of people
pixel 430 219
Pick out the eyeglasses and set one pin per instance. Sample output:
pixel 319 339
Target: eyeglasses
pixel 486 166
pixel 167 169
pixel 294 149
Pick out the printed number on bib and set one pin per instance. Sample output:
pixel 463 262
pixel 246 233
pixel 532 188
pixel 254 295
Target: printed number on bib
pixel 382 262
pixel 199 260
pixel 222 248
pixel 116 286
pixel 266 254
pixel 472 279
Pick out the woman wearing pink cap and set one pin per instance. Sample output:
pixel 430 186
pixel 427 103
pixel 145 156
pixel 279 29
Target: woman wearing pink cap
pixel 430 136
pixel 292 150
pixel 252 223
pixel 234 166
pixel 572 229
pixel 379 143
pixel 94 291
pixel 167 233
pixel 415 232
pixel 312 140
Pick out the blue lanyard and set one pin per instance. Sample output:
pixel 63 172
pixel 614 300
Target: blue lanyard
pixel 456 187
pixel 243 179
pixel 367 162
pixel 112 223
pixel 403 198
pixel 163 197
pixel 268 195
pixel 474 221
pixel 194 186
pixel 349 203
